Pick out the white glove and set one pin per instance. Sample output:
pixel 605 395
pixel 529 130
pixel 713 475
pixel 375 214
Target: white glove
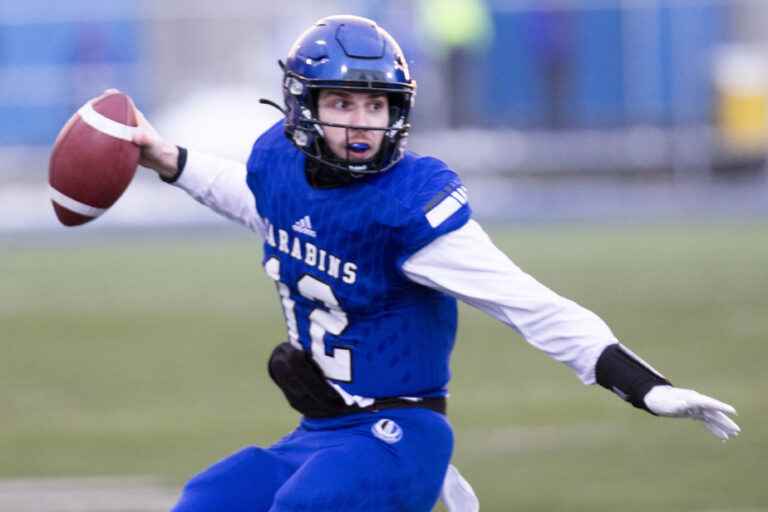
pixel 457 495
pixel 686 403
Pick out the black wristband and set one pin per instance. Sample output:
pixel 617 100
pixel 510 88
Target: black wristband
pixel 181 162
pixel 622 373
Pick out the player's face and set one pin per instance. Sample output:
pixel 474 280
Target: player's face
pixel 357 109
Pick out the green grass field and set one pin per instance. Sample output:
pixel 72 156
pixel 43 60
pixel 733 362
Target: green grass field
pixel 148 357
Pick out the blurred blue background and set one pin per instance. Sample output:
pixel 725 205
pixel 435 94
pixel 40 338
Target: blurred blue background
pixel 569 65
pixel 635 109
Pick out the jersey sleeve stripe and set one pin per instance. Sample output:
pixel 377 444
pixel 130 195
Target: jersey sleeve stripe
pixel 444 210
pixel 459 197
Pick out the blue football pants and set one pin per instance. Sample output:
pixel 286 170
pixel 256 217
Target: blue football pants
pixel 389 461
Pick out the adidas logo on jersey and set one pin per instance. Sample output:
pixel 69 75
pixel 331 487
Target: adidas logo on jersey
pixel 312 255
pixel 304 225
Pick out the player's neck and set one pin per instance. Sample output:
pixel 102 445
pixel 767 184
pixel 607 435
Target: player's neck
pixel 322 176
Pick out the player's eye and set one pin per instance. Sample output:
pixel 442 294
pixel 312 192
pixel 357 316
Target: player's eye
pixel 341 104
pixel 376 105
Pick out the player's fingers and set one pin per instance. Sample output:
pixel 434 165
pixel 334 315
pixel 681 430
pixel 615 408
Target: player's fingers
pixel 707 402
pixel 722 421
pixel 141 137
pixel 717 432
pixel 145 134
pixel 141 120
pixel 723 430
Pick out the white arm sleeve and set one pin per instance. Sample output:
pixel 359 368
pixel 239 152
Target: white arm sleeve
pixel 220 185
pixel 467 265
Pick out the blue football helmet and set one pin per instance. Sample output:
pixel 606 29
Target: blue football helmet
pixel 348 53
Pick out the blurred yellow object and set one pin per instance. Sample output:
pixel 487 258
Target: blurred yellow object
pixel 742 119
pixel 741 78
pixel 455 23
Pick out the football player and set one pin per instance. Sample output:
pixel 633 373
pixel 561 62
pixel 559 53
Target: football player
pixel 369 246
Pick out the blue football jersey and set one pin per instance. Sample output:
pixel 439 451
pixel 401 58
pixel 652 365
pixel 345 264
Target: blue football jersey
pixel 336 256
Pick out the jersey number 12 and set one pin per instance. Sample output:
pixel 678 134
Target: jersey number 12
pixel 329 319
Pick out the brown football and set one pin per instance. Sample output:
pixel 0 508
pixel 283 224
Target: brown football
pixel 93 159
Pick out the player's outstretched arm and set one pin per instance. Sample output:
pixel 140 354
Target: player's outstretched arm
pixel 466 264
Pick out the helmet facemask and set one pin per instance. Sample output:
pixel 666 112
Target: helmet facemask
pixel 308 133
